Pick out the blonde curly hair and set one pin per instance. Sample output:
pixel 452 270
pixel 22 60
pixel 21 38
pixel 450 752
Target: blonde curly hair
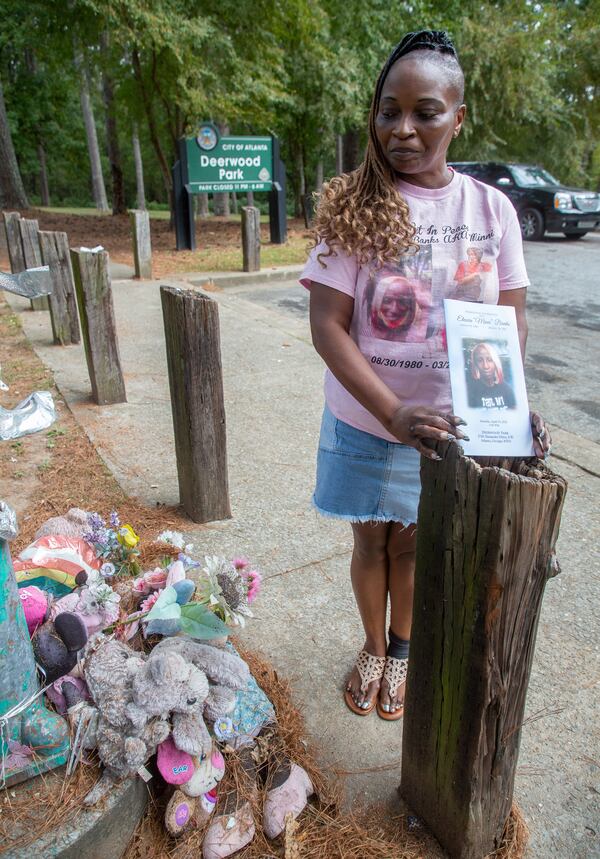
pixel 362 212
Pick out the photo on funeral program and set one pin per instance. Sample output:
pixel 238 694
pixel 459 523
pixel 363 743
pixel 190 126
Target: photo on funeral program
pixel 488 383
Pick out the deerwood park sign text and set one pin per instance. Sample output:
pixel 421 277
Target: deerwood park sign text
pixel 228 163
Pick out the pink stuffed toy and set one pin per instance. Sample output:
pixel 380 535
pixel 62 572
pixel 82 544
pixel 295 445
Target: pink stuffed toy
pixel 34 602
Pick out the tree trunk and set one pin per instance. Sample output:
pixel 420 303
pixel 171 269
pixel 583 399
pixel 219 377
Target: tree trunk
pixel 139 169
pixel 12 192
pixel 44 189
pixel 221 201
pixel 112 136
pixel 202 205
pixel 339 150
pixel 234 203
pixel 351 150
pixel 250 198
pixel 98 189
pixel 153 129
pixel 320 171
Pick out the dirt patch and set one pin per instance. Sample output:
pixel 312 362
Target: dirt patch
pixel 217 239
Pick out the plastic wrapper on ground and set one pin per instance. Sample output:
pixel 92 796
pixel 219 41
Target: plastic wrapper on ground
pixel 8 522
pixel 31 283
pixel 36 412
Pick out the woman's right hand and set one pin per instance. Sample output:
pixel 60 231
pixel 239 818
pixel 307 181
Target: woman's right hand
pixel 415 425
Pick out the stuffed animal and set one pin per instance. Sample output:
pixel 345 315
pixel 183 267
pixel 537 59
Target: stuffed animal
pixel 195 798
pixel 73 524
pixel 56 644
pixel 227 672
pixel 141 700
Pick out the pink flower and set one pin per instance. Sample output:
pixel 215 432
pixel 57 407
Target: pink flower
pixel 149 601
pixel 253 579
pixel 155 579
pixel 140 586
pixel 240 563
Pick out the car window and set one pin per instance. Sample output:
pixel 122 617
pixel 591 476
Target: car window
pixel 533 177
pixel 475 170
pixel 493 174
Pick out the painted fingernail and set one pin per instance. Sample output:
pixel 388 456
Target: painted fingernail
pixel 436 458
pixel 364 705
pixel 461 423
pixel 465 437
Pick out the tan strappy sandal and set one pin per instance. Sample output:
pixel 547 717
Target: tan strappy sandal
pixel 369 668
pixel 394 673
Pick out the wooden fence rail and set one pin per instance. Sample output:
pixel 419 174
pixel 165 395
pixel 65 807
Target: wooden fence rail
pixel 485 549
pixel 32 255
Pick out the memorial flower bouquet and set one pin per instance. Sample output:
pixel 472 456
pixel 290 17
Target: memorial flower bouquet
pixel 114 543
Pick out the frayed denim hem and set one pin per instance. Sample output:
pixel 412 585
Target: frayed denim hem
pixel 359 520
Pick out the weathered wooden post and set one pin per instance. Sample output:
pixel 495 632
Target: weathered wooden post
pixel 196 381
pixel 13 241
pixel 97 317
pixel 32 255
pixel 251 238
pixel 142 246
pixel 63 304
pixel 485 549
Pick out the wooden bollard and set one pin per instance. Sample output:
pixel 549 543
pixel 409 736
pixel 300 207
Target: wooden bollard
pixel 192 338
pixel 251 238
pixel 142 245
pixel 13 242
pixel 32 255
pixel 97 317
pixel 63 304
pixel 485 549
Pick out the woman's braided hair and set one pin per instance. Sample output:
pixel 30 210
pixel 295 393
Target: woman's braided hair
pixel 361 212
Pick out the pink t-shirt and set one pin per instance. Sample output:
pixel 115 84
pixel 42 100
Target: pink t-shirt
pixel 398 319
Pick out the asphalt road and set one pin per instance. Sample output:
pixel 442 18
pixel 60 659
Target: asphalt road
pixel 562 367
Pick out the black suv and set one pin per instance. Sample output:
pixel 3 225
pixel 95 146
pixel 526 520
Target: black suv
pixel 542 203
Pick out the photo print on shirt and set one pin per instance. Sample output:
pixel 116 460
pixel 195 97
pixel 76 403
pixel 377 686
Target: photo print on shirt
pixel 399 302
pixel 488 374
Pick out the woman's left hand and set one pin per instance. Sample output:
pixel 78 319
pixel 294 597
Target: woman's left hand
pixel 542 440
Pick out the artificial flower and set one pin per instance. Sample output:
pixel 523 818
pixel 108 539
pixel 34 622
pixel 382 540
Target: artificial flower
pixel 147 604
pixel 127 537
pixel 253 580
pixel 96 597
pixel 175 538
pixel 156 578
pixel 19 756
pixel 140 586
pixel 224 589
pixel 107 570
pixel 223 728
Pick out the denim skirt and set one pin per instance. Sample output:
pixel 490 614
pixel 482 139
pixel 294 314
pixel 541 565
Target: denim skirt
pixel 364 478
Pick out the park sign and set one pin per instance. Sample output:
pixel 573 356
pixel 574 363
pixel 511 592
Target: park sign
pixel 211 164
pixel 220 164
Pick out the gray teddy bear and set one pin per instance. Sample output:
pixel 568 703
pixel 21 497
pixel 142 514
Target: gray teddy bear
pixel 140 700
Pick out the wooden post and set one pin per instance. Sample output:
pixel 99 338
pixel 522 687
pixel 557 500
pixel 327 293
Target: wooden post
pixel 142 248
pixel 63 304
pixel 251 238
pixel 195 378
pixel 97 317
pixel 32 255
pixel 13 241
pixel 485 549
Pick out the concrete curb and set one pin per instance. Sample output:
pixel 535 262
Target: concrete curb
pixel 242 278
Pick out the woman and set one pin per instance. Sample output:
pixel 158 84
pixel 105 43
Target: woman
pixel 486 386
pixel 388 399
pixel 468 276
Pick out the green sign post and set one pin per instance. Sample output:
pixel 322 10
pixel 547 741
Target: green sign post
pixel 212 164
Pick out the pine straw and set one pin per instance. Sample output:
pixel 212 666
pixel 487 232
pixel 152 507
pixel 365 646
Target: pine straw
pixel 28 811
pixel 324 830
pixel 77 477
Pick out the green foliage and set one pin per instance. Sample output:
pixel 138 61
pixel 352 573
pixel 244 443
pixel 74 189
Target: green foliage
pixel 301 69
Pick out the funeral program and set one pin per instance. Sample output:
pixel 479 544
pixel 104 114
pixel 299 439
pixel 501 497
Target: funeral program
pixel 488 383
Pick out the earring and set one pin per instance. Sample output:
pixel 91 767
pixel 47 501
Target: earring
pixel 456 133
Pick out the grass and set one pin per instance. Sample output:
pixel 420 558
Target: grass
pixel 230 259
pixel 160 214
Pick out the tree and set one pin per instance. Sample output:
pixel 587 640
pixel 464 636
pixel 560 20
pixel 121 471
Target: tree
pixel 12 192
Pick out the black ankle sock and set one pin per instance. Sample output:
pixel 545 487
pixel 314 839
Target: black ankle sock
pixel 398 647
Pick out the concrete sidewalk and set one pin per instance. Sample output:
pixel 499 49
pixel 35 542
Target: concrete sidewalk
pixel 306 621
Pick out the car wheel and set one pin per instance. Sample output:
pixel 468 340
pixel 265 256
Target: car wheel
pixel 532 225
pixel 576 235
